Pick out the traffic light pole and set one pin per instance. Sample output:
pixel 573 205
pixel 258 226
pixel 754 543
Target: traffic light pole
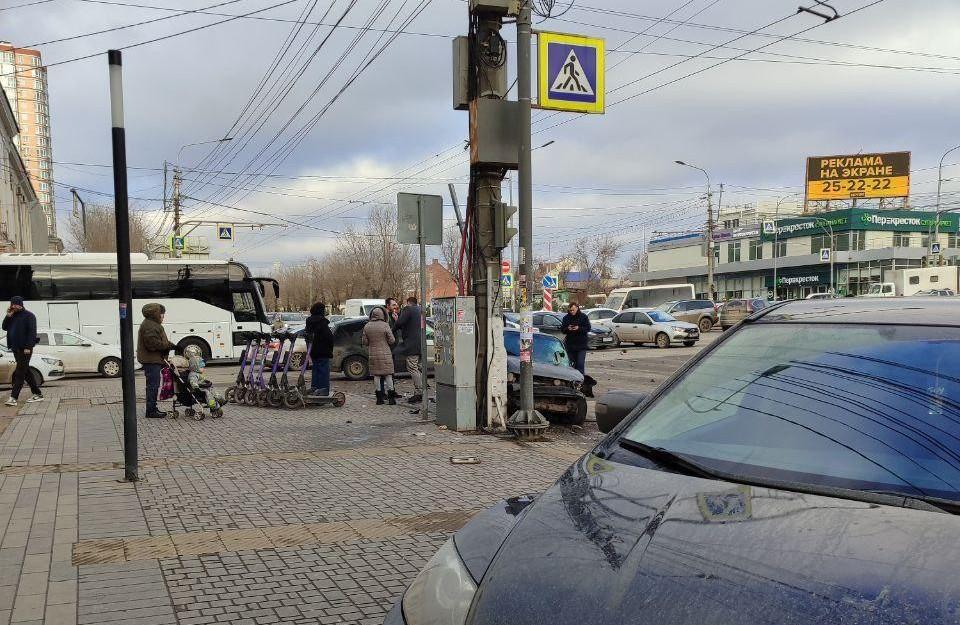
pixel 526 422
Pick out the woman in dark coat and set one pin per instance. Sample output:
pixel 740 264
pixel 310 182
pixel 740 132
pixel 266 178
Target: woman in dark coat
pixel 576 327
pixel 321 348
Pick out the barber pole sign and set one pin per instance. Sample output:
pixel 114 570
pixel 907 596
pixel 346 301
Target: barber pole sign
pixel 548 300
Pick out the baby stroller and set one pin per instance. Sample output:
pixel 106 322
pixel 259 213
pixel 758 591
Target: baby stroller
pixel 193 391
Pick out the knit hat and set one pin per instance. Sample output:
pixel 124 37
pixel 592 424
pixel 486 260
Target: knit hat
pixel 16 300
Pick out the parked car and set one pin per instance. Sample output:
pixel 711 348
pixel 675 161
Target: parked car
pixel 821 296
pixel 80 354
pixel 775 479
pixel 42 368
pixel 649 325
pixel 350 357
pixel 599 316
pixel 551 323
pixel 701 312
pixel 556 384
pixel 737 310
pixel 936 293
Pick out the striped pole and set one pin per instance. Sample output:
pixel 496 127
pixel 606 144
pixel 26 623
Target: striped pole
pixel 548 300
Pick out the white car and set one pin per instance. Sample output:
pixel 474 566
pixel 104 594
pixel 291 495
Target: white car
pixel 647 325
pixel 79 353
pixel 600 316
pixel 43 368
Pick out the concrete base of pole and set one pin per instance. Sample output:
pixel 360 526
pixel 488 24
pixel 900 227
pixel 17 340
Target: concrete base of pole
pixel 527 424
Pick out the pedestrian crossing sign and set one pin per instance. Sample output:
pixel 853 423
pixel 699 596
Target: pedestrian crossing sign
pixel 224 233
pixel 570 72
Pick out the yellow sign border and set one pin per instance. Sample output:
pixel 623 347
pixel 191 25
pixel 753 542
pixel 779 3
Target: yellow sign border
pixel 544 38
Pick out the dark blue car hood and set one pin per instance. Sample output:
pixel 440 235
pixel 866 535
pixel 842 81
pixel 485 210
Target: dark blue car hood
pixel 613 543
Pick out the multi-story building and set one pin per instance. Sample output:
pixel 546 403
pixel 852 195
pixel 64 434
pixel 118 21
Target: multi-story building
pixel 24 78
pixel 22 224
pixel 864 245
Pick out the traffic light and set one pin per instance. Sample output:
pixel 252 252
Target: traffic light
pixel 502 232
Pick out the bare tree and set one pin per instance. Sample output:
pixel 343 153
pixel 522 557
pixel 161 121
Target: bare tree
pixel 595 258
pixel 101 230
pixel 450 253
pixel 636 263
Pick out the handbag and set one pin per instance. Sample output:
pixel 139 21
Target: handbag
pixel 166 384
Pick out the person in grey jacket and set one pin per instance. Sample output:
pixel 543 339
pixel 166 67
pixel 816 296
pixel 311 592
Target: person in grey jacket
pixel 408 323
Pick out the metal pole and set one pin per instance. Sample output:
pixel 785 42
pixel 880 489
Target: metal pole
pixel 513 250
pixel 939 187
pixel 130 455
pixel 710 255
pixel 425 403
pixel 526 421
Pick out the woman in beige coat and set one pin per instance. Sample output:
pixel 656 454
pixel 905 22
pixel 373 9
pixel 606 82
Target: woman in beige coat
pixel 378 338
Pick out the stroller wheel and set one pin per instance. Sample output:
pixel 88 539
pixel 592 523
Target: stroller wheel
pixel 293 399
pixel 189 412
pixel 199 415
pixel 229 394
pixel 339 399
pixel 174 414
pixel 262 398
pixel 216 414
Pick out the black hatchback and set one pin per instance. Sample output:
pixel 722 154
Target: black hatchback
pixel 805 468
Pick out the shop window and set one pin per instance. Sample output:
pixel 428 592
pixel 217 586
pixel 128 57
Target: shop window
pixel 756 249
pixel 857 240
pixel 952 240
pixel 779 249
pixel 901 239
pixel 819 242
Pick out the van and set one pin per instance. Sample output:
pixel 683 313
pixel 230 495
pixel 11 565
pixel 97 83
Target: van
pixel 361 307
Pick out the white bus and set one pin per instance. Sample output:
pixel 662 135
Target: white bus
pixel 648 296
pixel 213 304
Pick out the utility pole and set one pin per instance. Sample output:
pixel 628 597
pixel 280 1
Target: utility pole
pixel 130 452
pixel 177 252
pixel 526 422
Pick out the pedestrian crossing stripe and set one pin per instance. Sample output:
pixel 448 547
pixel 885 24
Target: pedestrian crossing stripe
pixel 570 72
pixel 572 78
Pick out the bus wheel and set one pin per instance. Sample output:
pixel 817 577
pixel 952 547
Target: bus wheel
pixel 200 343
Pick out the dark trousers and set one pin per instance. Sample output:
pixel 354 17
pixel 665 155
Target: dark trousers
pixel 578 358
pixel 152 373
pixel 21 373
pixel 320 380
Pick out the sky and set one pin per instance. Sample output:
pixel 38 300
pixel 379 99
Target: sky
pixel 883 77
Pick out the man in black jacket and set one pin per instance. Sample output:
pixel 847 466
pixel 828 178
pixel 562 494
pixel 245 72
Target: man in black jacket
pixel 318 333
pixel 21 327
pixel 408 323
pixel 576 325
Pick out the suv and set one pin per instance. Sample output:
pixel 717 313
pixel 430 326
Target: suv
pixel 702 312
pixel 736 310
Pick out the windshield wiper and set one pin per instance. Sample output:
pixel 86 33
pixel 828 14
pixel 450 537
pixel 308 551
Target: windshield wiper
pixel 667 458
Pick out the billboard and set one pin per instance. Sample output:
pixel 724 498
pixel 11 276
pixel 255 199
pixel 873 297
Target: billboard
pixel 858 176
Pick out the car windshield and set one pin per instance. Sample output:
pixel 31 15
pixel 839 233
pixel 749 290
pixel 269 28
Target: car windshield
pixel 615 301
pixel 871 408
pixel 875 288
pixel 660 317
pixel 665 306
pixel 547 350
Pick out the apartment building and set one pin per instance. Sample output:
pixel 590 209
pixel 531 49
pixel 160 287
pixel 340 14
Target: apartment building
pixel 23 227
pixel 24 79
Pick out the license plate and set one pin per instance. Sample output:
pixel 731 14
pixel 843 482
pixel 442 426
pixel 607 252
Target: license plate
pixel 608 339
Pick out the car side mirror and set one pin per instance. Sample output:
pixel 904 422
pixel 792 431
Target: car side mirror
pixel 86 344
pixel 613 407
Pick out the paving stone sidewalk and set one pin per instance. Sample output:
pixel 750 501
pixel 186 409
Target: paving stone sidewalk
pixel 320 515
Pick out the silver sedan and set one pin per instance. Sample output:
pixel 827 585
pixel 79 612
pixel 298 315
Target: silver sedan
pixel 647 325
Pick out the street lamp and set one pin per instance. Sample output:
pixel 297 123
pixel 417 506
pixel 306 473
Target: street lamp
pixel 189 145
pixel 710 288
pixel 776 241
pixel 823 222
pixel 936 225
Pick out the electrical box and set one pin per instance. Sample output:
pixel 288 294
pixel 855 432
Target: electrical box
pixel 495 7
pixel 461 73
pixel 494 133
pixel 455 361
